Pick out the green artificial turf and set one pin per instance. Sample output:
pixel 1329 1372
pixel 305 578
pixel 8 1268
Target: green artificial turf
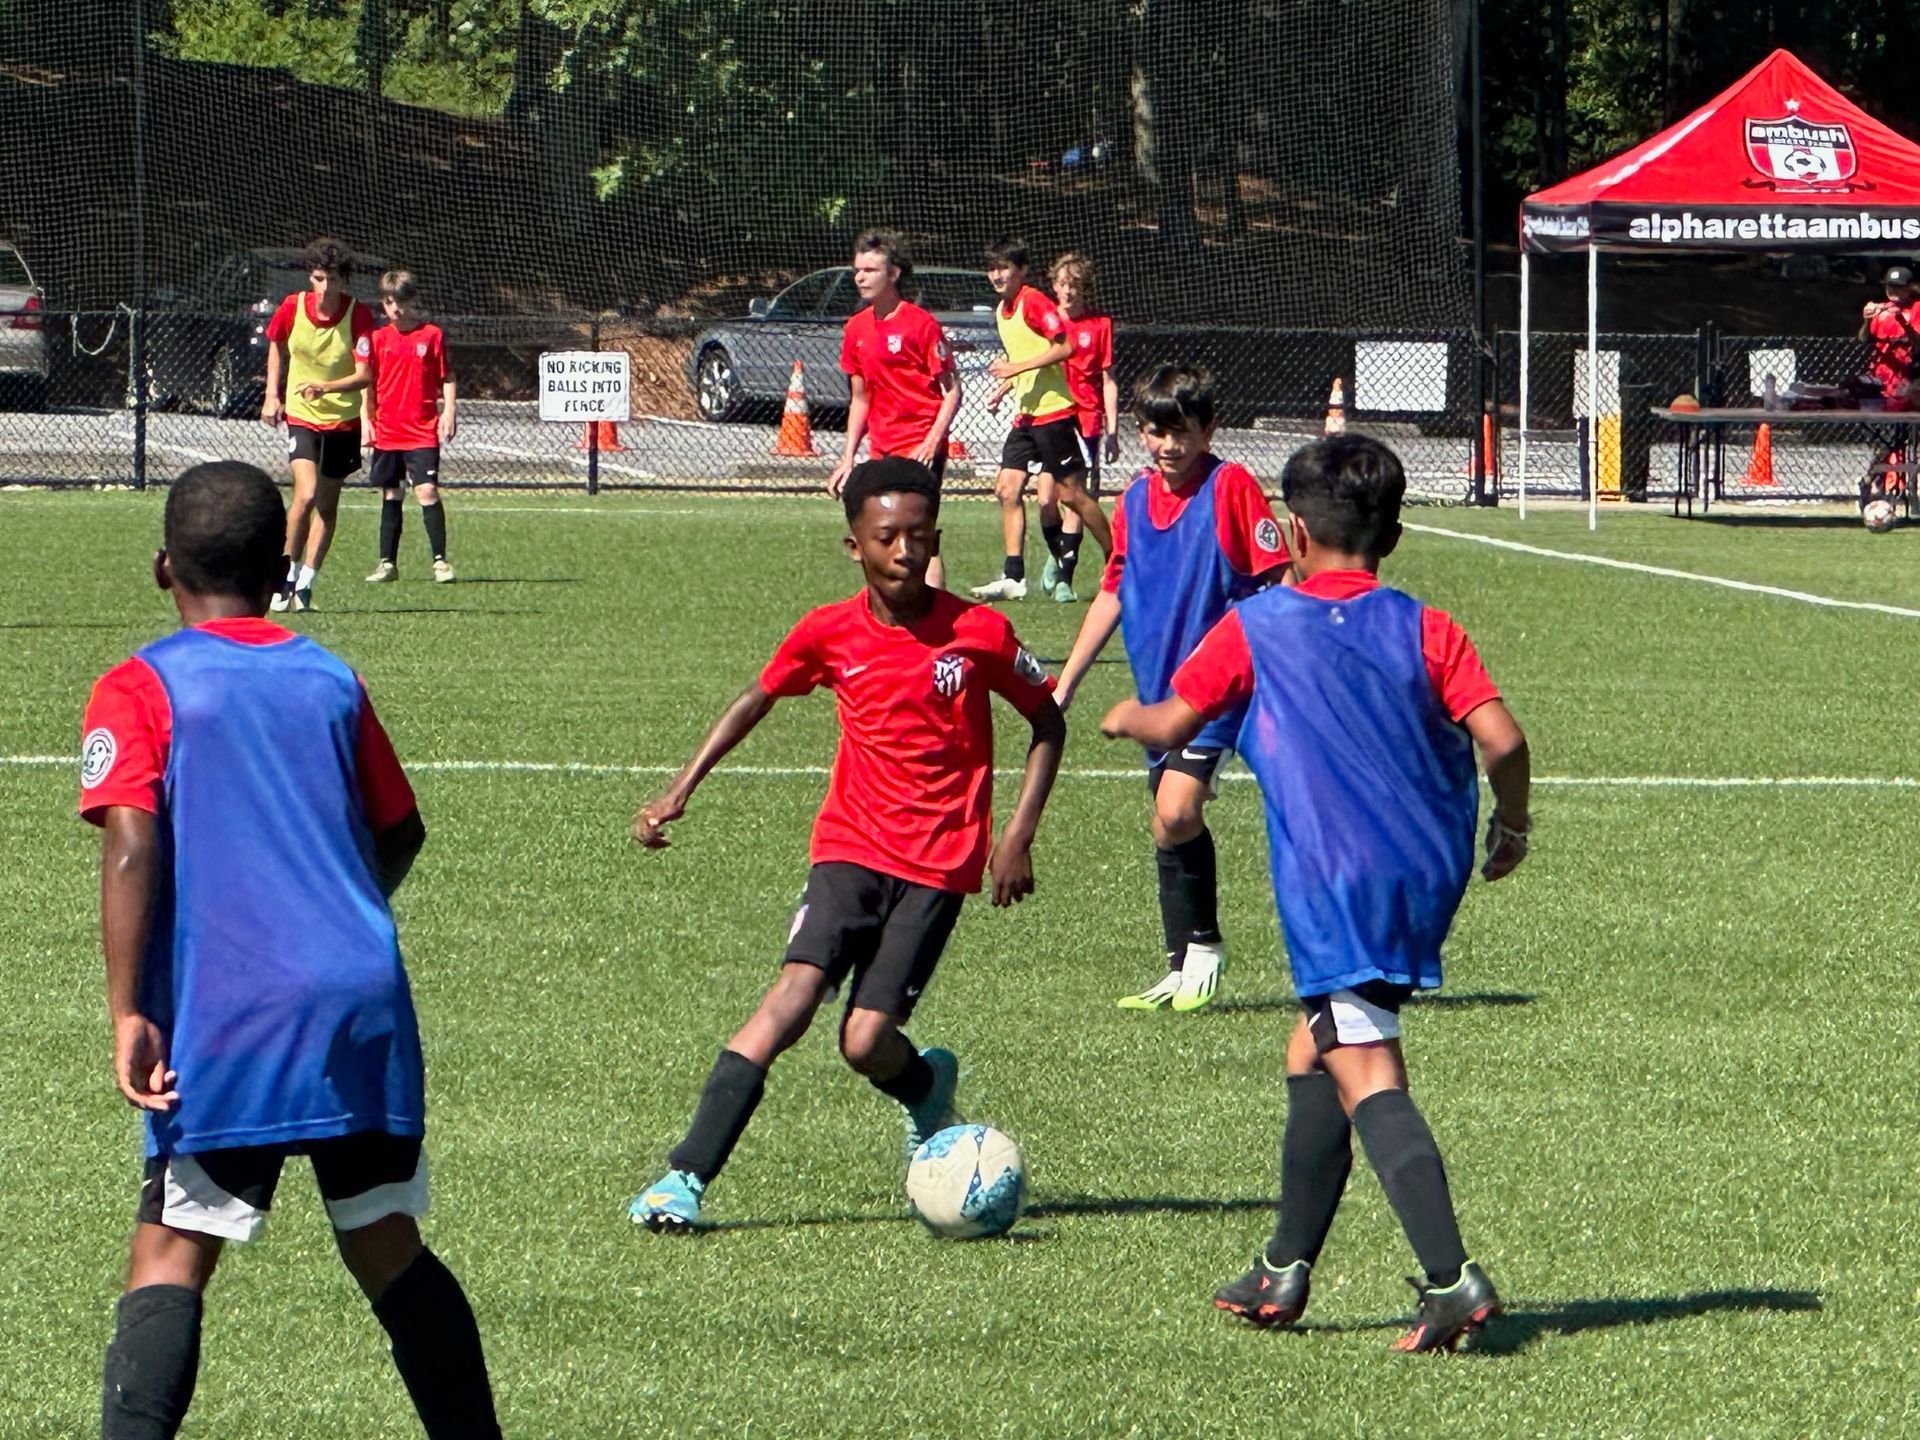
pixel 1669 1072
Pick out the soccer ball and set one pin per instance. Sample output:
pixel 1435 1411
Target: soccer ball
pixel 1878 516
pixel 967 1182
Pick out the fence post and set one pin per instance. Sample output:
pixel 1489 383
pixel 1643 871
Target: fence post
pixel 137 320
pixel 593 426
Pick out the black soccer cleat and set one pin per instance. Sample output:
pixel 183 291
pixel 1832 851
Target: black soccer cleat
pixel 1446 1317
pixel 1266 1296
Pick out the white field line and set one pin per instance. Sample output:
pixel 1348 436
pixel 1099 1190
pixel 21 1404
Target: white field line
pixel 810 772
pixel 1804 597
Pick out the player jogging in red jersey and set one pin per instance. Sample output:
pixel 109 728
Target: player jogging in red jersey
pixel 899 367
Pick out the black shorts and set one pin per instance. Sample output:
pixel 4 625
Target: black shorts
pixel 362 1178
pixel 335 453
pixel 1358 1014
pixel 1052 449
pixel 393 468
pixel 1202 762
pixel 887 932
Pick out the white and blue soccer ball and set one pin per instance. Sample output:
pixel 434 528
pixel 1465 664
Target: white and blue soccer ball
pixel 967 1182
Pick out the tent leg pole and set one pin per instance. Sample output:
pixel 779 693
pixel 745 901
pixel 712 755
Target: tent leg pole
pixel 1526 346
pixel 1593 386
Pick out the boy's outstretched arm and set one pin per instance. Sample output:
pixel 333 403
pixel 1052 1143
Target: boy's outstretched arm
pixel 129 875
pixel 1166 726
pixel 1102 619
pixel 733 726
pixel 1503 753
pixel 396 848
pixel 1010 866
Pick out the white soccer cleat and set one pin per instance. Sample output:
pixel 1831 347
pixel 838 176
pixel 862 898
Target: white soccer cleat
pixel 1200 976
pixel 1154 996
pixel 281 599
pixel 442 572
pixel 1001 589
pixel 383 573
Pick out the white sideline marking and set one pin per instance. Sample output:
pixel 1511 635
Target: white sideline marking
pixel 810 772
pixel 1803 596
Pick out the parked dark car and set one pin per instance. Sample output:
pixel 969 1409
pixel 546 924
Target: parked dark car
pixel 207 344
pixel 743 365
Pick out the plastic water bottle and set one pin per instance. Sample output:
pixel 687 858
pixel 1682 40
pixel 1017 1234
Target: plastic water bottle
pixel 1770 397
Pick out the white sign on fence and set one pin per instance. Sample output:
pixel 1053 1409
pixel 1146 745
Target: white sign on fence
pixel 1400 375
pixel 577 385
pixel 1778 363
pixel 1608 399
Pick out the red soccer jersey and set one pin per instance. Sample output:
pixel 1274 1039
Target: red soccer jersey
pixel 128 732
pixel 1891 359
pixel 1249 534
pixel 1087 367
pixel 409 367
pixel 901 359
pixel 912 788
pixel 1219 673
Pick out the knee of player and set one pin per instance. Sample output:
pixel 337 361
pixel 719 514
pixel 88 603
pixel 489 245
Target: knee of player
pixel 1176 822
pixel 1010 488
pixel 427 494
pixel 865 1038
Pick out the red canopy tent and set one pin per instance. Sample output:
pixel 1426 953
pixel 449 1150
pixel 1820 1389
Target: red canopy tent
pixel 1779 160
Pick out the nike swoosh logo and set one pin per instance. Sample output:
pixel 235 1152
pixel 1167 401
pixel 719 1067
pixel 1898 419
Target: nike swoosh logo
pixel 853 670
pixel 1193 755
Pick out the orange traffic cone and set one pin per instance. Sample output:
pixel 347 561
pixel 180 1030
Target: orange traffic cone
pixel 796 429
pixel 1760 468
pixel 602 435
pixel 1336 410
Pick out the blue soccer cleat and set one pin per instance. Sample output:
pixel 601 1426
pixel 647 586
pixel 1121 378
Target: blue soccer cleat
pixel 936 1112
pixel 671 1205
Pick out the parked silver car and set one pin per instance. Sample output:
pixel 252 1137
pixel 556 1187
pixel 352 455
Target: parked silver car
pixel 23 343
pixel 742 365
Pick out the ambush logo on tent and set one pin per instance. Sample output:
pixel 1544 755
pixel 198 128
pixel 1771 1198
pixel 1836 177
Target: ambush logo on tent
pixel 1801 152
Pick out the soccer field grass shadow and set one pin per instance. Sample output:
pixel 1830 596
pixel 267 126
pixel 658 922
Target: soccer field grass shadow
pixel 1523 1322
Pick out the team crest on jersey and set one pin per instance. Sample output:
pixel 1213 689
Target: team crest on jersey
pixel 1801 152
pixel 949 674
pixel 1085 341
pixel 893 344
pixel 1028 667
pixel 420 348
pixel 1267 535
pixel 96 757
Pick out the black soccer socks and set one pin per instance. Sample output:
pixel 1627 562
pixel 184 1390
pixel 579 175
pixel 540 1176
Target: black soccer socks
pixel 914 1082
pixel 1015 567
pixel 733 1090
pixel 434 517
pixel 1401 1150
pixel 1316 1155
pixel 436 1348
pixel 1189 893
pixel 1068 555
pixel 152 1362
pixel 1051 534
pixel 392 517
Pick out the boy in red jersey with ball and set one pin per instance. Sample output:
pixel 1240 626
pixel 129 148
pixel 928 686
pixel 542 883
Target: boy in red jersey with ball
pixel 899 367
pixel 411 415
pixel 906 830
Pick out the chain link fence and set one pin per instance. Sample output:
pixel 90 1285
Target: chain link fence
pixel 1638 454
pixel 707 400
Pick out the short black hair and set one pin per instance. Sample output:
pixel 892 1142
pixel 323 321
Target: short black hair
pixel 1173 394
pixel 1005 251
pixel 226 529
pixel 331 255
pixel 895 474
pixel 1348 489
pixel 890 243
